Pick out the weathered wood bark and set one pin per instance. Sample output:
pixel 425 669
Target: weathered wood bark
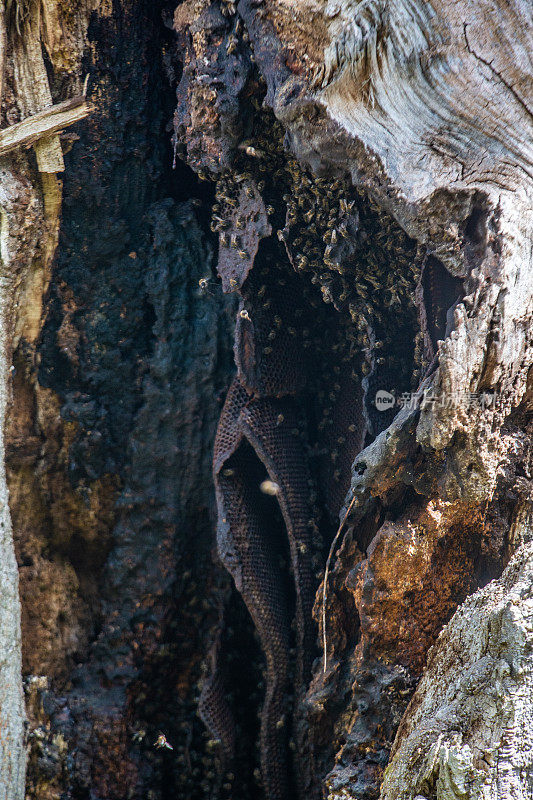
pixel 373 209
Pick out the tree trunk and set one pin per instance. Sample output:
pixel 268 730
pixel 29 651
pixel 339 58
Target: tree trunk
pixel 360 176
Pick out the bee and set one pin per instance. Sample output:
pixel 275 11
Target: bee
pixel 203 283
pixel 270 210
pixel 344 232
pixel 326 294
pixel 243 254
pixel 243 314
pixel 269 487
pixel 161 742
pixel 231 45
pixel 234 241
pixel 212 744
pixel 240 223
pixel 252 152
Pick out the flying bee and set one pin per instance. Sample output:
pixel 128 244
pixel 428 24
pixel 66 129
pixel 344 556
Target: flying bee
pixel 203 285
pixel 243 314
pixel 243 254
pixel 251 151
pixel 161 742
pixel 269 487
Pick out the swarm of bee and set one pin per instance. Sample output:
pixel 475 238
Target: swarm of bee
pixel 337 238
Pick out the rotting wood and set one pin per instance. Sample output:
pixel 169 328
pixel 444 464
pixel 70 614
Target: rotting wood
pixel 47 122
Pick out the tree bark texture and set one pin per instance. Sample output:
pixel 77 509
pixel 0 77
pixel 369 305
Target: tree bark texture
pixel 278 279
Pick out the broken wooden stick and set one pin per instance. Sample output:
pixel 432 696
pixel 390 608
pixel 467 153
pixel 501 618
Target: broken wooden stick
pixel 43 124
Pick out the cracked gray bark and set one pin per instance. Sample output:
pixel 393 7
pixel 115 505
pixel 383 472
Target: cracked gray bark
pixel 467 731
